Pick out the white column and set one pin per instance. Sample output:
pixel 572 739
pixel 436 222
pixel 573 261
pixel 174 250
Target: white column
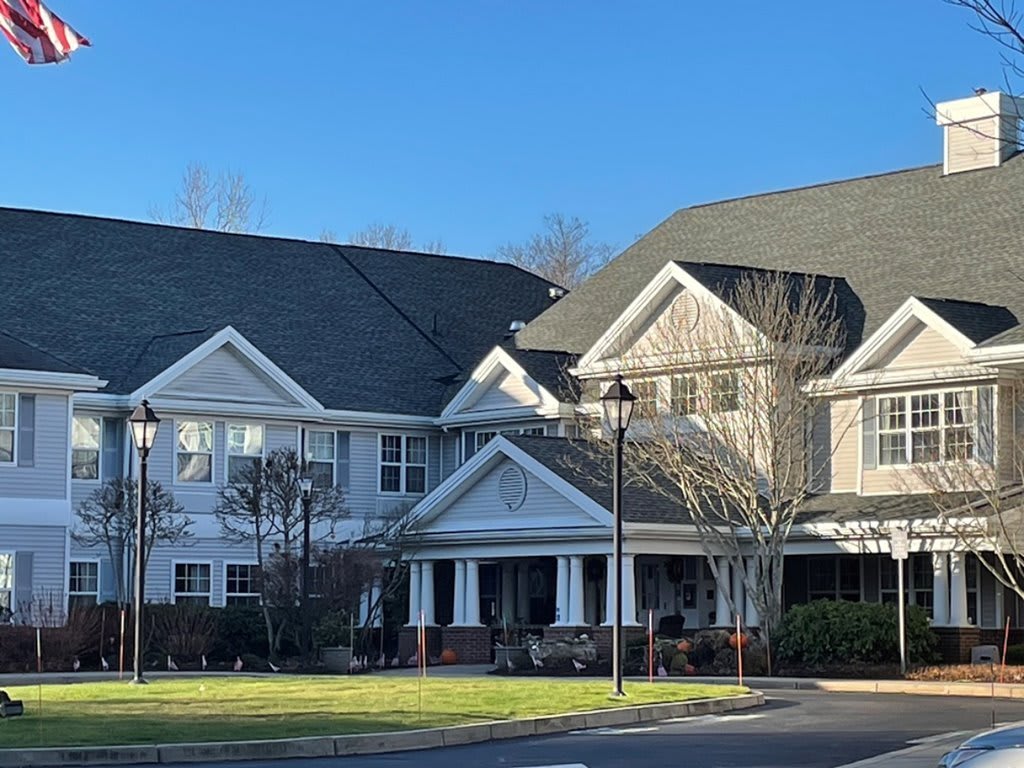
pixel 940 589
pixel 427 592
pixel 957 589
pixel 414 593
pixel 576 604
pixel 508 591
pixel 459 604
pixel 562 591
pixel 629 592
pixel 609 593
pixel 721 593
pixel 738 596
pixel 523 591
pixel 472 593
pixel 750 612
pixel 364 607
pixel 375 604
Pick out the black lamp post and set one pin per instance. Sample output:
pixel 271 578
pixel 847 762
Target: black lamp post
pixel 144 424
pixel 306 487
pixel 618 404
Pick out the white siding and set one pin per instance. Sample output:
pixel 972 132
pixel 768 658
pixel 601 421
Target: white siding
pixel 508 391
pixel 160 573
pixel 449 454
pixel 279 436
pixel 47 547
pixel 845 426
pixel 47 478
pixel 972 145
pixel 225 375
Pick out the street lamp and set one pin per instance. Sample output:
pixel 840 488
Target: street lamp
pixel 306 487
pixel 618 404
pixel 144 424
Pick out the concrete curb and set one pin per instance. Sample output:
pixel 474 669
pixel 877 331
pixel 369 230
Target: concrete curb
pixel 372 743
pixel 914 687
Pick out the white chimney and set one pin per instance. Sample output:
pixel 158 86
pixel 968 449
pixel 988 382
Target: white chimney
pixel 980 131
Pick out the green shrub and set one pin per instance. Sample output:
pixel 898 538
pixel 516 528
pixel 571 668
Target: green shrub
pixel 1015 654
pixel 678 665
pixel 240 630
pixel 333 630
pixel 840 632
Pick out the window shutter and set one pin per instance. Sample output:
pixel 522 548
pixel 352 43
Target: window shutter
pixel 984 425
pixel 870 432
pixel 113 448
pixel 23 584
pixel 26 430
pixel 108 581
pixel 468 446
pixel 341 460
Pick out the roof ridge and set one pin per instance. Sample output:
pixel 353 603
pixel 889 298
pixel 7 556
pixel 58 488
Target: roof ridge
pixel 750 268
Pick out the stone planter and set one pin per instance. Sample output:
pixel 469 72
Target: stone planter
pixel 510 657
pixel 336 659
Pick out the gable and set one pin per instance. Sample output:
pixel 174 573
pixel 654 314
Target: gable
pixel 226 375
pixel 920 346
pixel 508 497
pixel 508 390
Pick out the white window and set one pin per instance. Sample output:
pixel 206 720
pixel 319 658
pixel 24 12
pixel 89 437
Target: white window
pixel 83 582
pixel 403 464
pixel 725 392
pixel 241 584
pixel 320 457
pixel 8 426
pixel 926 427
pixel 6 583
pixel 685 396
pixel 245 446
pixel 195 452
pixel 85 448
pixel 192 583
pixel 483 438
pixel 535 431
pixel 646 393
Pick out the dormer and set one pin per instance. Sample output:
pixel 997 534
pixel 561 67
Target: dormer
pixel 980 131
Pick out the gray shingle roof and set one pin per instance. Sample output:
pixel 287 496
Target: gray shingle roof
pixel 849 507
pixel 892 236
pixel 549 369
pixel 974 320
pixel 578 462
pixel 359 328
pixel 17 355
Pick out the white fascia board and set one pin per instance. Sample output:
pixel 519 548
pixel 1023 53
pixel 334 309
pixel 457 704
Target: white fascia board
pixel 1006 354
pixel 77 382
pixel 682 531
pixel 890 331
pixel 671 275
pixel 435 502
pixel 228 335
pixel 483 376
pixel 499 415
pixel 905 377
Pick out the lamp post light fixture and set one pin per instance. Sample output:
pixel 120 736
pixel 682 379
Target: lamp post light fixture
pixel 617 403
pixel 144 424
pixel 306 487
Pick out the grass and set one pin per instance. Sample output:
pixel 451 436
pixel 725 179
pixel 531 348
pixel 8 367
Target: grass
pixel 229 709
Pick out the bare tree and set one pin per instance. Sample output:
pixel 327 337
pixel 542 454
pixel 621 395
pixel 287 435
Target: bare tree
pixel 389 237
pixel 562 252
pixel 261 506
pixel 223 202
pixel 108 517
pixel 977 487
pixel 727 431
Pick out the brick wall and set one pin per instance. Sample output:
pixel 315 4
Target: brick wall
pixel 407 643
pixel 996 636
pixel 602 636
pixel 472 645
pixel 955 643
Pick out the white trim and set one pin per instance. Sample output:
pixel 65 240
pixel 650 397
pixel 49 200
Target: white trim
pixel 459 482
pixel 892 330
pixel 307 453
pixel 228 335
pixel 224 592
pixel 1004 353
pixel 14 576
pixel 175 481
pixel 227 447
pixel 174 568
pixel 99 578
pixel 403 465
pixel 13 463
pixel 98 480
pixel 49 380
pixel 657 290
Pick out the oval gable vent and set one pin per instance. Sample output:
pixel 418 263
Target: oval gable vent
pixel 685 311
pixel 512 488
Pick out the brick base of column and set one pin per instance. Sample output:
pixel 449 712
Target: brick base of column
pixel 955 643
pixel 407 642
pixel 472 645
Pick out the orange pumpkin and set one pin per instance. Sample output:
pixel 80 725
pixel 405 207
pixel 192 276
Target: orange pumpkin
pixel 738 640
pixel 448 656
pixel 685 646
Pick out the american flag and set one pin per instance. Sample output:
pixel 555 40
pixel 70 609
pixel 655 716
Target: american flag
pixel 38 34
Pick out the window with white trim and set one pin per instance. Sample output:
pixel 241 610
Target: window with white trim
pixel 685 399
pixel 833 578
pixel 926 427
pixel 320 456
pixel 922 581
pixel 403 464
pixel 534 431
pixel 83 583
pixel 483 438
pixel 6 583
pixel 8 426
pixel 245 447
pixel 646 393
pixel 85 447
pixel 192 583
pixel 241 584
pixel 194 452
pixel 725 392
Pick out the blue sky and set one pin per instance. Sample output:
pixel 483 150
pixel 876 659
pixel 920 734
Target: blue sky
pixel 467 120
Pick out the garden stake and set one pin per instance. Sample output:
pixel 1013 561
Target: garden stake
pixel 103 631
pixel 39 685
pixel 739 649
pixel 120 663
pixel 1006 641
pixel 650 645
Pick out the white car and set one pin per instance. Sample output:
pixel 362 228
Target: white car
pixel 1001 748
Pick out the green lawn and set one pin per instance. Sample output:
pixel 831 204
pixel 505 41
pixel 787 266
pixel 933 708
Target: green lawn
pixel 225 709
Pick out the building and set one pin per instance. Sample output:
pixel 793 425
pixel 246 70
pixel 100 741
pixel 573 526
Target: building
pixel 402 374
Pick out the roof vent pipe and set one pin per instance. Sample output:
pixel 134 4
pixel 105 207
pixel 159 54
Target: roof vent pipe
pixel 556 293
pixel 516 326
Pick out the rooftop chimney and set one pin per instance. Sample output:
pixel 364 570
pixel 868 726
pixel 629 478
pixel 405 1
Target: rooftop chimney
pixel 980 131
